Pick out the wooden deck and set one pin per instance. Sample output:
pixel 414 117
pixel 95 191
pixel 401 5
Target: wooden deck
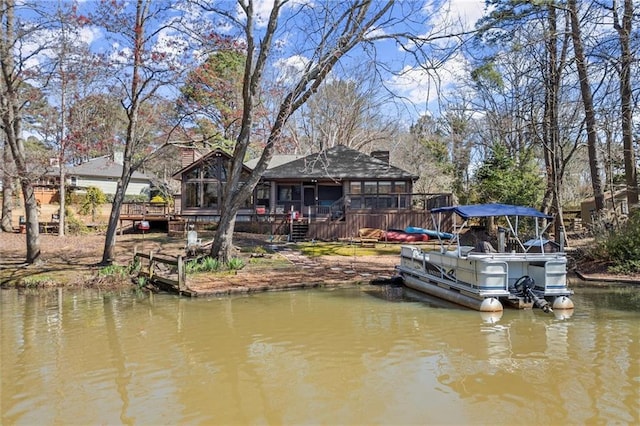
pixel 323 229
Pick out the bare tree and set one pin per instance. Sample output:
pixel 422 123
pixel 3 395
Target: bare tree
pixel 139 71
pixel 426 151
pixel 12 103
pixel 345 112
pixel 624 30
pixel 339 28
pixel 587 101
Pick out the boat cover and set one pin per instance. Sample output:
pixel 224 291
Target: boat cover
pixel 488 210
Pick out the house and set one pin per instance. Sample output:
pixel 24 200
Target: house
pixel 613 202
pixel 103 173
pixel 324 184
pixel 333 186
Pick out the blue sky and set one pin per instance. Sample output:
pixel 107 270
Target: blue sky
pixel 417 87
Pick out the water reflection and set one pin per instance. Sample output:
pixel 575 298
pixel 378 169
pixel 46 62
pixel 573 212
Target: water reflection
pixel 349 356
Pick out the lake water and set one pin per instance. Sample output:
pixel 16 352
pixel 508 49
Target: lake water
pixel 367 355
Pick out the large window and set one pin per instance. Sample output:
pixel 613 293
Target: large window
pixel 203 184
pixel 399 187
pixel 370 187
pixel 378 194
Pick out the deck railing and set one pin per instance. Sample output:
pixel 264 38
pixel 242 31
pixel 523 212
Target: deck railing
pixel 143 209
pixel 372 201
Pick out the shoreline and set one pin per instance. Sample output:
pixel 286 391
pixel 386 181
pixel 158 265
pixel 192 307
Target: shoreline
pixel 72 262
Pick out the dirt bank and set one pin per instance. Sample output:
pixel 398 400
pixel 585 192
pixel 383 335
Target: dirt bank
pixel 73 261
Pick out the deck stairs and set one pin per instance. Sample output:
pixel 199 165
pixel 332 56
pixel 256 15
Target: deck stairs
pixel 299 231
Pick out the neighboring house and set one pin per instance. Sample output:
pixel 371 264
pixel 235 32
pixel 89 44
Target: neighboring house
pixel 618 203
pixel 103 173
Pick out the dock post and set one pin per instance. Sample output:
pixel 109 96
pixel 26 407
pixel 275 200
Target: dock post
pixel 150 265
pixel 181 274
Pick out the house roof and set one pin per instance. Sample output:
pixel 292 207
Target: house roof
pixel 102 167
pixel 339 162
pixel 276 160
pixel 215 153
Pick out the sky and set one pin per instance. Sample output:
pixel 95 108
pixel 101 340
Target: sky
pixel 418 87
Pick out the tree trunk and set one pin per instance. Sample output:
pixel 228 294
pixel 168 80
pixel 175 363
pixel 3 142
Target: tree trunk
pixel 626 61
pixel 136 89
pixel 587 100
pixel 223 242
pixel 11 123
pixel 61 190
pixel 33 225
pixel 108 253
pixel 7 191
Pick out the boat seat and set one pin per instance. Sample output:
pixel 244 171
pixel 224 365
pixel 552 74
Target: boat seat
pixel 484 247
pixel 461 251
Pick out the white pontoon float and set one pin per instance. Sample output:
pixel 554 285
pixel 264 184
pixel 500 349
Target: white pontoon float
pixel 485 280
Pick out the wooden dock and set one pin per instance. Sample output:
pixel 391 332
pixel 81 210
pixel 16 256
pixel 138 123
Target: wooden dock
pixel 164 273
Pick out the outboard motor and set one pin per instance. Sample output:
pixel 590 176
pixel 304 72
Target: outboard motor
pixel 540 302
pixel 523 287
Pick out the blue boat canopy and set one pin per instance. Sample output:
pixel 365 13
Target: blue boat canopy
pixel 488 210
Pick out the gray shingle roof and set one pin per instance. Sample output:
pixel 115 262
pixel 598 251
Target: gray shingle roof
pixel 339 162
pixel 276 160
pixel 101 167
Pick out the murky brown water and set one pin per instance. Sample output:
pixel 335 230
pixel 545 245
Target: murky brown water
pixel 374 355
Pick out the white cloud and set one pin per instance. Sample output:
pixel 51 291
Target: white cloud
pixel 90 35
pixel 422 87
pixel 291 68
pixel 171 46
pixel 461 14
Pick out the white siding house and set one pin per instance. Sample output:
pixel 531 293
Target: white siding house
pixel 103 173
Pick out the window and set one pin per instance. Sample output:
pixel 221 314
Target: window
pixel 211 194
pixel 355 187
pixel 193 174
pixel 289 193
pixel 263 191
pixel 203 184
pixel 211 170
pixel 192 196
pixel 384 187
pixel 399 187
pixel 370 187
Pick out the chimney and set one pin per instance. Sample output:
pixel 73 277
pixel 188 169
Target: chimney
pixel 381 155
pixel 189 155
pixel 118 157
